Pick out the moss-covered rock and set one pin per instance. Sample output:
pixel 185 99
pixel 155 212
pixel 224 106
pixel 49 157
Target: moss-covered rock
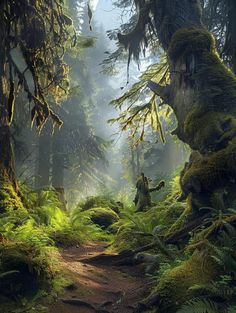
pixel 101 202
pixel 174 287
pixel 103 217
pixel 24 270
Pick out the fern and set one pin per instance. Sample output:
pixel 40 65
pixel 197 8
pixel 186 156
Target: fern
pixel 220 289
pixel 202 306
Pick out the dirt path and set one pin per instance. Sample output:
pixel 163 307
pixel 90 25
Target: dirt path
pixel 107 289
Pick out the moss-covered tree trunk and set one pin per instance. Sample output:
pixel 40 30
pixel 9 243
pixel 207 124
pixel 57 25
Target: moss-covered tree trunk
pixel 202 93
pixel 7 172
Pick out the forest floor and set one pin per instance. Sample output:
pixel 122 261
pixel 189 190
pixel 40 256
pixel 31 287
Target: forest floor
pixel 98 288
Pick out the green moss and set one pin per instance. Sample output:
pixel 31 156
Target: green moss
pixel 212 171
pixel 103 217
pixel 171 214
pixel 30 270
pixel 101 202
pixel 9 199
pixel 179 221
pixel 216 83
pixel 174 287
pixel 214 87
pixel 189 40
pixel 68 235
pixel 216 130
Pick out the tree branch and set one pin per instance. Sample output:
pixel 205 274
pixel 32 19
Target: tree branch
pixel 162 91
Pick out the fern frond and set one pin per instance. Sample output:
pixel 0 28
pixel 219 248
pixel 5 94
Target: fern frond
pixel 202 306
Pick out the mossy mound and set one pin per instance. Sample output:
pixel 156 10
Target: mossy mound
pixel 103 217
pixel 9 199
pixel 174 287
pixel 68 236
pixel 24 270
pixel 101 202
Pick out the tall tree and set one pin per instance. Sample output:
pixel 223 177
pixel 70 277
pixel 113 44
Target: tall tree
pixel 35 32
pixel 201 92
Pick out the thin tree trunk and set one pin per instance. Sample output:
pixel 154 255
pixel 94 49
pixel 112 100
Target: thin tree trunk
pixel 7 170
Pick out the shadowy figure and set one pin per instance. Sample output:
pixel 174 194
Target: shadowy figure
pixel 143 198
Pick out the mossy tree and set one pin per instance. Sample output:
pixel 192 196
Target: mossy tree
pixel 33 33
pixel 201 92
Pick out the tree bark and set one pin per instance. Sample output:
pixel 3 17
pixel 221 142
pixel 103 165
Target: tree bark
pixel 7 170
pixel 202 93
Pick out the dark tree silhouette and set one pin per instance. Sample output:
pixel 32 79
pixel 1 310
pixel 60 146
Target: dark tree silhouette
pixel 36 33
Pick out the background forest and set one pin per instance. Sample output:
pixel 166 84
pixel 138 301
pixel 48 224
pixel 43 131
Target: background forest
pixel 92 94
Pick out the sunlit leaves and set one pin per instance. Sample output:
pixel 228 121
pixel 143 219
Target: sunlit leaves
pixel 140 106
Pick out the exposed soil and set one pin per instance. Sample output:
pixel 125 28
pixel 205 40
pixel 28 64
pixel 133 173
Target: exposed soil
pixel 99 288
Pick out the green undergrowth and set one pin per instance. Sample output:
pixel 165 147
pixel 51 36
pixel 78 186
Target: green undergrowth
pixel 33 227
pixel 135 229
pixel 194 275
pixel 101 201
